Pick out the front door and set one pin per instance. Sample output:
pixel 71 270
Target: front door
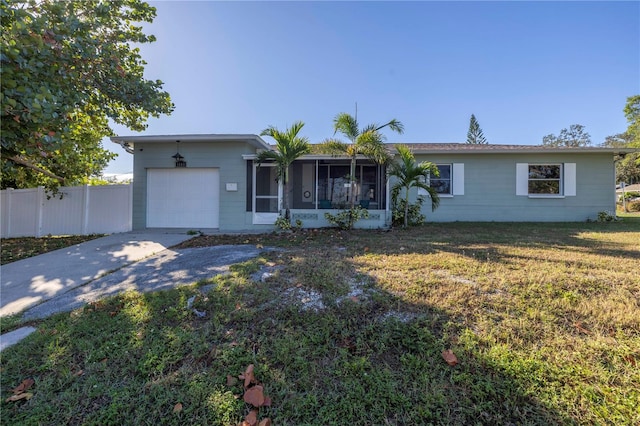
pixel 267 194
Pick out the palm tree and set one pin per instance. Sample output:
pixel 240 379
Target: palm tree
pixel 410 174
pixel 289 147
pixel 367 141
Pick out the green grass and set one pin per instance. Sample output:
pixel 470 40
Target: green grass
pixel 544 319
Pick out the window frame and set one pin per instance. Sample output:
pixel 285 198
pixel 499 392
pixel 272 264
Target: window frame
pixel 568 180
pixel 559 179
pixel 449 179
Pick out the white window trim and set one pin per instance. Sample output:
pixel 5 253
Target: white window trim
pixel 567 180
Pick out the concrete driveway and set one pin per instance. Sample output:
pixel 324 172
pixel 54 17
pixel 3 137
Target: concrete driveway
pixel 68 278
pixel 28 282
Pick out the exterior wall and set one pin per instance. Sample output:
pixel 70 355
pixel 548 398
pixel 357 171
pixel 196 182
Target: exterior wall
pixel 490 189
pixel 312 218
pixel 226 156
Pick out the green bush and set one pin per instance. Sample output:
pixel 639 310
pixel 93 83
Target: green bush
pixel 605 216
pixel 415 212
pixel 629 195
pixel 347 218
pixel 285 224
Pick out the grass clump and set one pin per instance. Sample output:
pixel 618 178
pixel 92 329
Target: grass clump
pixel 543 318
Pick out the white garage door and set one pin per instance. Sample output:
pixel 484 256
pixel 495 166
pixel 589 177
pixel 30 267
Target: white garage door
pixel 183 198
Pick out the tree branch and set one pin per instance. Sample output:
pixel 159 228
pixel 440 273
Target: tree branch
pixel 32 166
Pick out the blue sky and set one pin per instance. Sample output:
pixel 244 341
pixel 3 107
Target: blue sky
pixel 525 69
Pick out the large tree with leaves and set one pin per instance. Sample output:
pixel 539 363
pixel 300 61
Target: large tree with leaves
pixel 367 141
pixel 410 174
pixel 632 112
pixel 289 147
pixel 475 134
pixel 68 68
pixel 574 136
pixel 628 167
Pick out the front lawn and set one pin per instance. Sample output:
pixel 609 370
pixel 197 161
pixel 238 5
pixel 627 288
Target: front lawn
pixel 350 328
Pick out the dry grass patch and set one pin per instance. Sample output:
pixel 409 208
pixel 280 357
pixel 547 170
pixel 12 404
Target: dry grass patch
pixel 349 328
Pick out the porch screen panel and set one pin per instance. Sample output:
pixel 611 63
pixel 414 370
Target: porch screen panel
pixel 266 190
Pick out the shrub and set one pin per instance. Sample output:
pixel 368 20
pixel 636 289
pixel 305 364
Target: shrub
pixel 346 219
pixel 415 212
pixel 633 206
pixel 285 224
pixel 629 195
pixel 606 216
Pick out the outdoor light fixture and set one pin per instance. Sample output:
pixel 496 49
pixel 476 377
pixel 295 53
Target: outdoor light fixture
pixel 179 158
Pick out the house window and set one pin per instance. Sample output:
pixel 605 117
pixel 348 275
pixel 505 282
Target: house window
pixel 442 183
pixel 554 180
pixel 545 179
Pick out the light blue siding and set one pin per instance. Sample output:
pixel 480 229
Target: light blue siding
pixel 490 189
pixel 226 156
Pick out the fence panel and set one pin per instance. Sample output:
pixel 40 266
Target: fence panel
pixel 109 208
pixel 82 210
pixel 63 216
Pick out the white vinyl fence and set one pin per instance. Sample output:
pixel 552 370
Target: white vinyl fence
pixel 83 210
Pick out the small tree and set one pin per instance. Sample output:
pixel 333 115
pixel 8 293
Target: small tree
pixel 289 147
pixel 410 174
pixel 475 135
pixel 575 136
pixel 69 70
pixel 367 141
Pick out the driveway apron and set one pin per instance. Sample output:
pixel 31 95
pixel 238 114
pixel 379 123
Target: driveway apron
pixel 31 281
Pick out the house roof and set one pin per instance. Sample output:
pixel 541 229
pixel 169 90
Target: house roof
pixel 443 148
pixel 128 142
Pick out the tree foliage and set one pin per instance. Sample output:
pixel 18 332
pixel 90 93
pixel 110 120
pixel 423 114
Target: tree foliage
pixel 574 136
pixel 368 141
pixel 410 174
pixel 289 147
pixel 475 134
pixel 632 112
pixel 67 69
pixel 628 167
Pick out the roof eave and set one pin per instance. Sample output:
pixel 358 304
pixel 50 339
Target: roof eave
pixel 128 142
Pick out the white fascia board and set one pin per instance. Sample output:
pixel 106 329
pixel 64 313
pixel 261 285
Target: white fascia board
pixel 254 140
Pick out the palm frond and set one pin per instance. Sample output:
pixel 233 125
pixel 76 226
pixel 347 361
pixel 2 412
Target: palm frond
pixel 394 125
pixel 333 147
pixel 347 125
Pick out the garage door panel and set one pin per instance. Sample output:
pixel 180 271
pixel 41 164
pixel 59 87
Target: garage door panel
pixel 183 198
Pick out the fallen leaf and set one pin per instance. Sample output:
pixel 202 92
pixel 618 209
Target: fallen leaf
pixel 20 396
pixel 449 357
pixel 113 313
pixel 630 359
pixel 355 299
pixel 366 249
pixel 231 381
pixel 265 422
pixel 580 328
pixel 252 417
pixel 26 384
pixel 254 396
pixel 267 402
pixel 78 373
pixel 177 408
pixel 248 376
